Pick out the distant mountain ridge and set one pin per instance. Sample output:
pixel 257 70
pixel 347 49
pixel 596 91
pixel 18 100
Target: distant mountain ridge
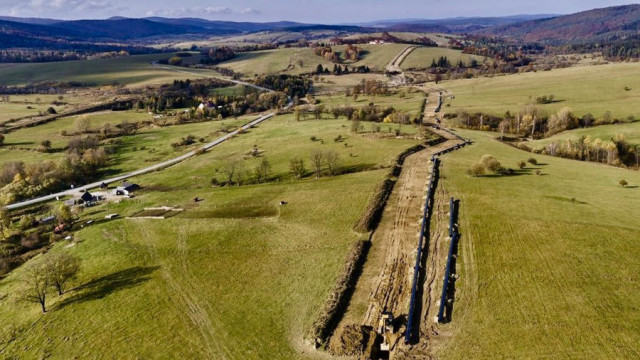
pixel 593 25
pixel 456 25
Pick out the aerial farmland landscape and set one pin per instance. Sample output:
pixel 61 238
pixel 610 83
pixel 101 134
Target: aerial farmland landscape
pixel 324 180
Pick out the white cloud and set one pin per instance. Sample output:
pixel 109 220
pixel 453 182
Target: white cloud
pixel 58 6
pixel 250 11
pixel 216 10
pixel 194 11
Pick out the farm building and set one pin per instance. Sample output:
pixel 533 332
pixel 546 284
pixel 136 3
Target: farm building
pixel 126 188
pixel 88 199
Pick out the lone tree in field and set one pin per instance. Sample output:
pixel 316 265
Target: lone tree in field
pixel 522 164
pixel 232 172
pixel 491 163
pixel 261 171
pixel 476 169
pixel 317 159
pixel 82 124
pixel 1 139
pixel 37 286
pixel 60 269
pixel 45 146
pixel 533 161
pixel 623 183
pixel 296 166
pixel 355 126
pixel 332 159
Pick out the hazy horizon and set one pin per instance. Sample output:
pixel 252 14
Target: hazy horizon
pixel 305 11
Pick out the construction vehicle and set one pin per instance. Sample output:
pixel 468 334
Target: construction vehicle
pixel 387 332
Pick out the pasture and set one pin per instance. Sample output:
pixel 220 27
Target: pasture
pixel 20 106
pixel 303 60
pixel 234 276
pixel 422 57
pixel 547 263
pixel 585 89
pixel 130 70
pixel 630 132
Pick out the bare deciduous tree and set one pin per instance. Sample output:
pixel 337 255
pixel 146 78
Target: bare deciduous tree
pixel 233 172
pixel 332 159
pixel 60 269
pixel 296 166
pixel 82 124
pixel 37 285
pixel 317 158
pixel 261 171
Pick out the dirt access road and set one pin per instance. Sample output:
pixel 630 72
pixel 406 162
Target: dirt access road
pixel 398 78
pixel 386 279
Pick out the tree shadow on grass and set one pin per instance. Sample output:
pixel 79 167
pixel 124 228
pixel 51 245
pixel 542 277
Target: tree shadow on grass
pixel 99 288
pixel 356 168
pixel 22 143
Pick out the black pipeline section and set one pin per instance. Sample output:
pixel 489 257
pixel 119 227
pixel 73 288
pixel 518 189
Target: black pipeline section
pixel 425 228
pixel 449 279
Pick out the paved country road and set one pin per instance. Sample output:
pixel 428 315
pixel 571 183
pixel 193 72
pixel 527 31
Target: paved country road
pixel 158 166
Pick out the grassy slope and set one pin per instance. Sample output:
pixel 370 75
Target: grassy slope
pixel 233 275
pixel 277 61
pixel 156 141
pixel 131 70
pixel 17 105
pixel 422 57
pixel 196 286
pixel 331 84
pixel 410 103
pixel 631 132
pixel 541 276
pixel 585 89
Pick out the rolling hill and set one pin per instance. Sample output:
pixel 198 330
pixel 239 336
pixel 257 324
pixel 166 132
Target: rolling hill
pixel 456 25
pixel 593 25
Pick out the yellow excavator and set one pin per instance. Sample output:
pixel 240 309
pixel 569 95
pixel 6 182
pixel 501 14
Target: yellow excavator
pixel 388 334
pixel 383 338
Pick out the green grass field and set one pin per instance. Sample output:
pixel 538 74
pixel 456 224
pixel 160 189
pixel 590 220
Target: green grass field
pixel 630 131
pixel 198 285
pixel 548 263
pixel 20 106
pixel 441 39
pixel 288 60
pixel 585 89
pixel 153 144
pixel 331 84
pixel 130 70
pixel 409 104
pixel 422 57
pixel 234 276
pixel 146 147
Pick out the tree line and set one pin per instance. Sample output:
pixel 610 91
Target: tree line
pixel 339 70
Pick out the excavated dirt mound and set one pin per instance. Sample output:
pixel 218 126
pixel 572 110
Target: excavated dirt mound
pixel 351 340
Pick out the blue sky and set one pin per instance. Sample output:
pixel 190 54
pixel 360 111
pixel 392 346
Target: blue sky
pixel 309 11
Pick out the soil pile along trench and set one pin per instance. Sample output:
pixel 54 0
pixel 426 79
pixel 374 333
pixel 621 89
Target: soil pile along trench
pixel 387 274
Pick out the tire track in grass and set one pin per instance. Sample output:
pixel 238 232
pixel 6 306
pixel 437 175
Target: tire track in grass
pixel 184 299
pixel 214 327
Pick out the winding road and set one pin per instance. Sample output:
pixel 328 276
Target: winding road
pixel 163 164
